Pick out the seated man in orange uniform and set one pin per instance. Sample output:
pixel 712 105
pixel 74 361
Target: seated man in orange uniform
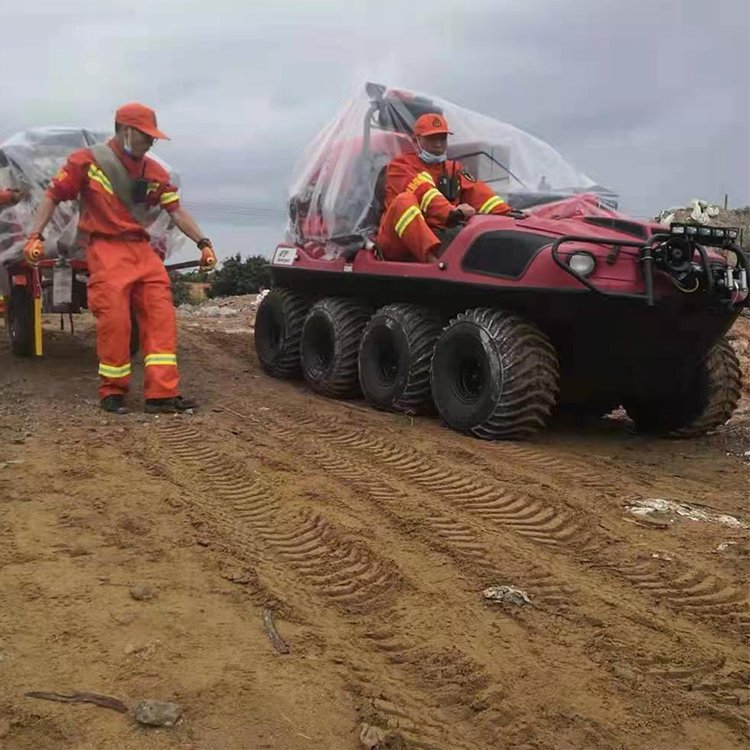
pixel 415 195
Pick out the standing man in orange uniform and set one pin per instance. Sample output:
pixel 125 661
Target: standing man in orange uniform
pixel 115 181
pixel 426 191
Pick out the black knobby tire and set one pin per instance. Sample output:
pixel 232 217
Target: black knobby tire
pixel 706 402
pixel 278 330
pixel 494 375
pixel 329 346
pixel 394 357
pixel 20 321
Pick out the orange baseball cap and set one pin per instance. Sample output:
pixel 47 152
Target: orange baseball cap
pixel 431 124
pixel 135 115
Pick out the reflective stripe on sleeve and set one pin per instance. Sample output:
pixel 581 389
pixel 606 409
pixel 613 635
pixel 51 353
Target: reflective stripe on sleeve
pixel 491 203
pixel 423 178
pixel 168 198
pixel 428 197
pixel 406 218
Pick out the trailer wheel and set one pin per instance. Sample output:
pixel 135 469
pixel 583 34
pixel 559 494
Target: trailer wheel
pixel 278 329
pixel 19 315
pixel 394 357
pixel 329 346
pixel 494 375
pixel 704 403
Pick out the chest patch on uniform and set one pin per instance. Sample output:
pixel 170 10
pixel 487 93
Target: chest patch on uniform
pixel 470 177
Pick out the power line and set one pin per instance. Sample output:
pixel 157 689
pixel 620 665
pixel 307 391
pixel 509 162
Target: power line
pixel 233 209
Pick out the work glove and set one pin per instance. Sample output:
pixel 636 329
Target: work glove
pixel 33 250
pixel 208 256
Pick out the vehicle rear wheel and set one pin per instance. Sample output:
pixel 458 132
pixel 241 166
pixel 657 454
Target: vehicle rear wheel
pixel 494 375
pixel 329 346
pixel 20 321
pixel 394 357
pixel 278 330
pixel 704 403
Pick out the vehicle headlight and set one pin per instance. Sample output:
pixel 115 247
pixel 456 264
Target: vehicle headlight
pixel 582 263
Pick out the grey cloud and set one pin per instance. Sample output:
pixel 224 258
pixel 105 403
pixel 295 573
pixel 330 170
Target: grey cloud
pixel 651 98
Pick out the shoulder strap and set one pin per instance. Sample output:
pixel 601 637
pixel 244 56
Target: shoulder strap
pixel 122 182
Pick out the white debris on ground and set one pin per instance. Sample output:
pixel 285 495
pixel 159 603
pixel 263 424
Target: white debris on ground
pixel 645 508
pixel 703 212
pixel 220 312
pixel 506 595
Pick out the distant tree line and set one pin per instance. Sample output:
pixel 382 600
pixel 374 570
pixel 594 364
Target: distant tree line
pixel 236 276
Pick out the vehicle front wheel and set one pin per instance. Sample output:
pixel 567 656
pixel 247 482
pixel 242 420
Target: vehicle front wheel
pixel 494 375
pixel 706 401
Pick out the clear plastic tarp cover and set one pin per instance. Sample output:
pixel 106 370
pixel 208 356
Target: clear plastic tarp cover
pixel 336 190
pixel 29 160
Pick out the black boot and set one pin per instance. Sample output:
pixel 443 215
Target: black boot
pixel 114 404
pixel 173 405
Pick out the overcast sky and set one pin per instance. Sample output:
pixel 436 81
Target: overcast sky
pixel 648 97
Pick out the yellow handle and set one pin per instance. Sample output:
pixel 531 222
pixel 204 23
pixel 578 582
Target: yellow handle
pixel 37 326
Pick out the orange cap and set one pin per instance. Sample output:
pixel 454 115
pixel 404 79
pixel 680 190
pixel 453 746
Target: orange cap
pixel 431 124
pixel 141 117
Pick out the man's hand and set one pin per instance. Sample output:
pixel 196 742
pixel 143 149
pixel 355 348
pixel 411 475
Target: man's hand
pixel 466 210
pixel 208 256
pixel 17 195
pixel 33 250
pixel 462 212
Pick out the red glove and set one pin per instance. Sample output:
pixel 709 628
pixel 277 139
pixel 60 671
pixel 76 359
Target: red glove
pixel 33 250
pixel 208 256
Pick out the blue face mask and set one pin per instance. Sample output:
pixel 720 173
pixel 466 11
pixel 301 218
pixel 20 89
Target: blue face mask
pixel 429 158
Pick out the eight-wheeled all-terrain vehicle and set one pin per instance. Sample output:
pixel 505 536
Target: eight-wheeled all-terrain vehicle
pixel 576 308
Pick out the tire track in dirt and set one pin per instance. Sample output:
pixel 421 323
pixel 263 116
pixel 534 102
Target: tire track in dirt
pixel 692 593
pixel 347 574
pixel 524 515
pixel 437 530
pixel 699 597
pixel 343 571
pixel 462 543
pixel 588 550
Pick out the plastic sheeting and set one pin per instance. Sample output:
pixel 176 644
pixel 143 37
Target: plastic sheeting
pixel 29 160
pixel 335 191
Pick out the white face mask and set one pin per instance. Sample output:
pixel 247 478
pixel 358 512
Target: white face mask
pixel 127 145
pixel 430 158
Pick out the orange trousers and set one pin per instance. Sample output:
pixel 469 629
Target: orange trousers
pixel 124 273
pixel 404 233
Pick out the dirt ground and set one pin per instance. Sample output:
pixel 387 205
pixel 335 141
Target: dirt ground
pixel 370 537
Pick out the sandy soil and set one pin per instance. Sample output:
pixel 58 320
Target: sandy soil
pixel 371 538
